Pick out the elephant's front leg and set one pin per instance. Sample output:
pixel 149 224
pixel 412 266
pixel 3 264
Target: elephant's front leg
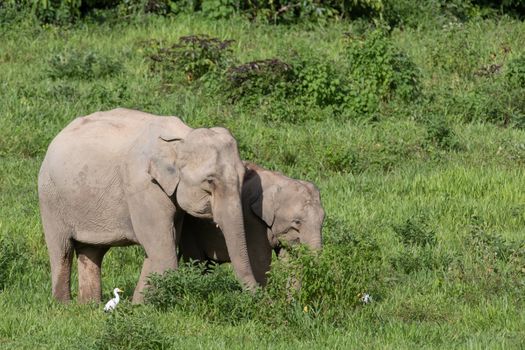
pixel 154 223
pixel 152 265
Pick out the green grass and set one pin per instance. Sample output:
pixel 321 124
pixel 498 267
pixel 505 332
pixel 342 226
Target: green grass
pixel 464 290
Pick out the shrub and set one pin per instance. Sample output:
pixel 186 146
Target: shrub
pixel 216 294
pixel 340 158
pixel 319 83
pixel 56 11
pixel 414 259
pixel 171 288
pixel 82 65
pixel 194 56
pixel 132 327
pixel 289 92
pixel 497 97
pixel 260 78
pixel 292 92
pixel 462 53
pixel 288 11
pixel 492 246
pixel 441 134
pixel 219 8
pixel 328 284
pixel 158 7
pixel 515 73
pixel 511 7
pixel 378 72
pixel 415 232
pixel 419 251
pixel 331 282
pixel 336 231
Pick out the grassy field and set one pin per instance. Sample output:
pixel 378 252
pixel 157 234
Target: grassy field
pixel 425 195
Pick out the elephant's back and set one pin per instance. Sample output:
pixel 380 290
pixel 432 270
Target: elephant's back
pixel 88 153
pixel 112 128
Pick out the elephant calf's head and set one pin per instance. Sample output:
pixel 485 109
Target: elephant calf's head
pixel 291 209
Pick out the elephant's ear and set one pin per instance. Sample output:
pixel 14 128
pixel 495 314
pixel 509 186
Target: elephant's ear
pixel 162 165
pixel 264 205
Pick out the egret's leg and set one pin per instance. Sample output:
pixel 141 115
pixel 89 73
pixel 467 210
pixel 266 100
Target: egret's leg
pixel 89 260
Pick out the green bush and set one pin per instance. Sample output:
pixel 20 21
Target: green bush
pixel 441 134
pixel 328 284
pixel 419 251
pixel 319 83
pixel 515 73
pixel 415 231
pixel 49 11
pixel 126 8
pixel 288 91
pixel 378 72
pixel 216 294
pixel 219 8
pixel 497 97
pixel 173 288
pixel 491 246
pixel 132 327
pixel 193 56
pixel 289 11
pixel 415 259
pixel 82 65
pixel 332 282
pixel 260 78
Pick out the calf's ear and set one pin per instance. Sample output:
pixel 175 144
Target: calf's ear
pixel 265 205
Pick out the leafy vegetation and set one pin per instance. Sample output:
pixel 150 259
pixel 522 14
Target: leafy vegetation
pixel 410 118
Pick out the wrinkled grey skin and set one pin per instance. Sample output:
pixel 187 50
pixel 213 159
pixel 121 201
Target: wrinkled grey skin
pixel 276 209
pixel 125 177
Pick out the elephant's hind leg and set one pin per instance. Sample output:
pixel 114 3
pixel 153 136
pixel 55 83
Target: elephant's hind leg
pixel 89 258
pixel 60 250
pixel 58 237
pixel 61 271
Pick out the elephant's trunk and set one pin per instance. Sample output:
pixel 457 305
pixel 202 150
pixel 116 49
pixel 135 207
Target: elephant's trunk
pixel 315 244
pixel 312 238
pixel 227 213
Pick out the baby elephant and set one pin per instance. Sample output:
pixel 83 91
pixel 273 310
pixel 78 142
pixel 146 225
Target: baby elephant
pixel 275 208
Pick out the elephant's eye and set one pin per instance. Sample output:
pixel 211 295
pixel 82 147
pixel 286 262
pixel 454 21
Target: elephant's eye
pixel 208 184
pixel 296 222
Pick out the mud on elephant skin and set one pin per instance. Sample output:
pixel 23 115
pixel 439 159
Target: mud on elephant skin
pixel 125 177
pixel 276 208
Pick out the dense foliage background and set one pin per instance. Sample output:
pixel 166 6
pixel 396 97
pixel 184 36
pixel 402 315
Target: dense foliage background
pixel 410 118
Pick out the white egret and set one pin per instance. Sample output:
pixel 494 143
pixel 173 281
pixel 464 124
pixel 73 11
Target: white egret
pixel 112 304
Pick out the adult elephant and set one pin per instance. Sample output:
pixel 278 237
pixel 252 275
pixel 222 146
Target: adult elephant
pixel 125 177
pixel 276 208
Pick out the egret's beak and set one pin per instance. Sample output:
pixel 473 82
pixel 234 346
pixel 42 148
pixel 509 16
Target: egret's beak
pixel 120 290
